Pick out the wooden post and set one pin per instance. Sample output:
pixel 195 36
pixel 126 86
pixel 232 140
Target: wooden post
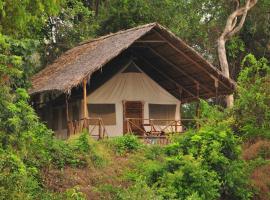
pixel 84 99
pixel 84 105
pixel 67 116
pixel 99 129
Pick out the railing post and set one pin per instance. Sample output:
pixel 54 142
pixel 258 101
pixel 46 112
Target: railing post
pixel 99 129
pixel 127 122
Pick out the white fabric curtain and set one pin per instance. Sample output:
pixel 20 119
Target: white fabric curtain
pixel 162 111
pixel 104 111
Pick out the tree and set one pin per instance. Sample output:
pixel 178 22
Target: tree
pixel 233 25
pixel 73 24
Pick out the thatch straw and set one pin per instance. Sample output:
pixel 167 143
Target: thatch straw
pixel 69 70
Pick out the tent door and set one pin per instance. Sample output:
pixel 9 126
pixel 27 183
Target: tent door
pixel 133 117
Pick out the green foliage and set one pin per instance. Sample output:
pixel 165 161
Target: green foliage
pixel 185 177
pixel 74 194
pixel 78 152
pixel 88 149
pixel 137 191
pixel 73 24
pixel 252 106
pixel 125 144
pixel 178 15
pixel 140 190
pixel 154 152
pixel 235 47
pixel 219 149
pixel 17 181
pixel 201 164
pixel 21 17
pixel 63 155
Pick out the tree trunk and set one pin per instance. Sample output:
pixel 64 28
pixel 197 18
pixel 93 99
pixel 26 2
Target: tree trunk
pixel 224 66
pixel 233 26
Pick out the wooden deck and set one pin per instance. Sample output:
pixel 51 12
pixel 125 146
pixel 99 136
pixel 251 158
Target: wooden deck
pixel 150 131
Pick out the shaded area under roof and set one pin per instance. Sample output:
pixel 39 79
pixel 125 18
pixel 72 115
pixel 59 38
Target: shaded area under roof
pixel 164 57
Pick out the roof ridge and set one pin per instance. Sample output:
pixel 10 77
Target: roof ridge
pixel 118 32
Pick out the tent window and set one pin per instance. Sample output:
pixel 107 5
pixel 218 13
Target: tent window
pixel 55 119
pixel 104 111
pixel 159 111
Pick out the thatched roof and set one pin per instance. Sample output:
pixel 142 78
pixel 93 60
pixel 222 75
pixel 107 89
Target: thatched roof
pixel 174 64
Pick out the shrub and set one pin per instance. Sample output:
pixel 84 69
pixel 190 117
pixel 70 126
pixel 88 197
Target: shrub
pixel 16 180
pixel 154 152
pixel 252 105
pixel 76 152
pixel 137 191
pixel 220 152
pixel 74 194
pixel 62 154
pixel 188 178
pixel 126 143
pixel 203 164
pixel 90 150
pixel 140 190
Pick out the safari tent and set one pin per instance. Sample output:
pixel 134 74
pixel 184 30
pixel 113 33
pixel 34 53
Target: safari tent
pixel 130 81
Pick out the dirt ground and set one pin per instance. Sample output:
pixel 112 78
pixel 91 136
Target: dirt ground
pixel 88 179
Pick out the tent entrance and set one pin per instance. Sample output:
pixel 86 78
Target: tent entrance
pixel 133 117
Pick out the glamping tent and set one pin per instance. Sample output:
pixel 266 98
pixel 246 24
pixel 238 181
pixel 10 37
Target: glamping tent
pixel 130 81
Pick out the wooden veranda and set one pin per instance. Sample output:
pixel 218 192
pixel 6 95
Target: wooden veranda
pixel 150 131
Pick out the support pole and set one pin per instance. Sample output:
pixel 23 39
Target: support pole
pixel 84 106
pixel 84 100
pixel 180 115
pixel 69 123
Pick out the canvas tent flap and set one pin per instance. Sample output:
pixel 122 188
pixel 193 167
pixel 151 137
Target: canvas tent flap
pixel 131 87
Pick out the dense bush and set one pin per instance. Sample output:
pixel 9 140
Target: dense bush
pixel 252 106
pixel 125 144
pixel 185 177
pixel 201 164
pixel 17 181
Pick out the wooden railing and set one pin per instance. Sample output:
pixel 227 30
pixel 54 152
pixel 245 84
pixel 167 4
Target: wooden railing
pixel 151 131
pixel 155 131
pixel 153 126
pixel 89 124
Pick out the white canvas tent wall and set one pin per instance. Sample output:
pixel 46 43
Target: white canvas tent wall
pixel 131 86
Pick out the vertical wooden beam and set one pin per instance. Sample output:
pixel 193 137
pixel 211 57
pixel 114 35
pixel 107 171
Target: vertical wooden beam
pixel 180 115
pixel 69 124
pixel 84 100
pixel 99 129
